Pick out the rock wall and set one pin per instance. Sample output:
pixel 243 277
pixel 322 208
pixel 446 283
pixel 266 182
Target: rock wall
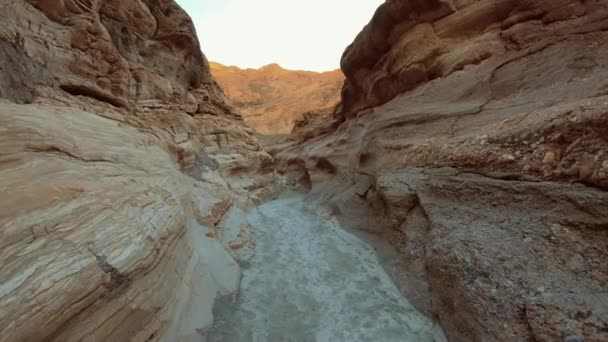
pixel 271 99
pixel 473 137
pixel 123 170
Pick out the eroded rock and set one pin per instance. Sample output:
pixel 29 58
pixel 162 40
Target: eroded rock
pixel 481 126
pixel 116 145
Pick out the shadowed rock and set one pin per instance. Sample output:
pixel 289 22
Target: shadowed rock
pixel 473 137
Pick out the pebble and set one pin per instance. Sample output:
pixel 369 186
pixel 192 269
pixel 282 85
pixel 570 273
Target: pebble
pixel 605 165
pixel 549 158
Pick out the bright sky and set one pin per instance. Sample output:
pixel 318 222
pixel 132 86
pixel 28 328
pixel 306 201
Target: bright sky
pixel 297 34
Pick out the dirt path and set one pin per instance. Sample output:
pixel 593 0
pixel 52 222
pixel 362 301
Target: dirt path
pixel 311 281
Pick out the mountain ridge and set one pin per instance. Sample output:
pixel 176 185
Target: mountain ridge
pixel 275 65
pixel 271 98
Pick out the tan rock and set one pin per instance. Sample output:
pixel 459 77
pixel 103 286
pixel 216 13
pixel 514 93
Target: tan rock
pixel 586 171
pixel 508 157
pixel 108 170
pixel 549 158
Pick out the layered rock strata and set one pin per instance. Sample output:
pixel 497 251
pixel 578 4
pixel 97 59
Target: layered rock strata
pixel 123 171
pixel 472 136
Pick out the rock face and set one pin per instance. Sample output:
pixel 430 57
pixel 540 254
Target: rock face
pixel 122 172
pixel 473 135
pixel 271 99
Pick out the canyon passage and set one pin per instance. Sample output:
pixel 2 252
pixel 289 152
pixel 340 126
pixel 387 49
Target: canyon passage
pixel 448 183
pixel 311 281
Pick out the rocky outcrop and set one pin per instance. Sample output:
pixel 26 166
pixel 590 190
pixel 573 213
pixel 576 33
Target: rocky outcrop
pixel 473 136
pixel 271 99
pixel 123 171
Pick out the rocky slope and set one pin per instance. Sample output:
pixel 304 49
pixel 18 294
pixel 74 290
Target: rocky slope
pixel 473 135
pixel 271 99
pixel 123 170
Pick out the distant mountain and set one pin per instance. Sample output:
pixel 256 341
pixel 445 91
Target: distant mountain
pixel 271 98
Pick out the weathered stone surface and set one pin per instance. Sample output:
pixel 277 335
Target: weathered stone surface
pixel 410 43
pixel 271 99
pixel 482 128
pixel 119 156
pixel 517 254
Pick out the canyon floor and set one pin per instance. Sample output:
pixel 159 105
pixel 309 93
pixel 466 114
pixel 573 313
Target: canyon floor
pixel 309 280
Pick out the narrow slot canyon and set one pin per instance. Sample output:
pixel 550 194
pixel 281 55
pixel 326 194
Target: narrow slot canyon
pixel 442 176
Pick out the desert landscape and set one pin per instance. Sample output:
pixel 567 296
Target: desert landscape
pixel 272 99
pixel 448 183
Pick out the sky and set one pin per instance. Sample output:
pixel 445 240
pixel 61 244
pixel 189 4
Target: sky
pixel 296 34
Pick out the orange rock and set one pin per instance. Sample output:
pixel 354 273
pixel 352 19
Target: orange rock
pixel 272 99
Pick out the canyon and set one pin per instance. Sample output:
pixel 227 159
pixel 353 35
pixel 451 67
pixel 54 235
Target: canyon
pixel 448 184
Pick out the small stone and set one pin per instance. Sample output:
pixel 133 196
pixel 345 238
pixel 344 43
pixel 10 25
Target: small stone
pixel 556 136
pixel 574 338
pixel 602 175
pixel 527 168
pixel 585 172
pixel 549 158
pixel 508 157
pixel 574 170
pixel 605 165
